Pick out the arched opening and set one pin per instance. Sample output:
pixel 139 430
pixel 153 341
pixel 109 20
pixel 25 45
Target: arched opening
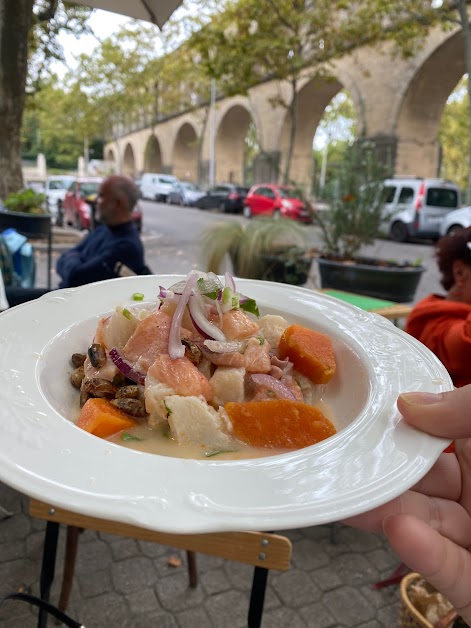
pixel 337 128
pixel 129 161
pixel 454 138
pixel 313 98
pixel 230 145
pixel 110 158
pixel 152 155
pixel 418 150
pixel 185 154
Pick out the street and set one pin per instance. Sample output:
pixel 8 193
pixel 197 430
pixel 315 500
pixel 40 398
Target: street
pixel 171 236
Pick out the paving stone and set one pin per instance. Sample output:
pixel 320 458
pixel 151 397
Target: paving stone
pixel 13 550
pixel 158 620
pixel 152 550
pixel 175 595
pixel 194 618
pixel 93 555
pixel 348 606
pixel 355 570
pixel 95 583
pixel 326 578
pixel 382 559
pixel 124 548
pixel 233 604
pixel 317 616
pixel 142 602
pixel 104 611
pixel 133 574
pixel 283 616
pixel 15 528
pixel 309 554
pixel 214 581
pixel 296 588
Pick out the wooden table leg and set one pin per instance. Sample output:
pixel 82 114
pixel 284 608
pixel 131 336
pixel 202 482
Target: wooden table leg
pixel 192 571
pixel 69 565
pixel 48 567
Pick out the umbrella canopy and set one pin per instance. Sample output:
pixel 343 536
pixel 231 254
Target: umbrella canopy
pixel 156 11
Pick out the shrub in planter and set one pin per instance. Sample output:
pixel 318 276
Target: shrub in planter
pixel 264 248
pixel 353 220
pixel 25 202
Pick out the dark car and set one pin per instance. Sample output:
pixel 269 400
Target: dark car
pixel 79 205
pixel 226 198
pixel 268 199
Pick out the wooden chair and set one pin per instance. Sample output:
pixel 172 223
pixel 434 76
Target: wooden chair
pixel 32 226
pixel 263 550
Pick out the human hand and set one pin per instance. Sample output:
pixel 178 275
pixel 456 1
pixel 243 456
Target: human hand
pixel 429 526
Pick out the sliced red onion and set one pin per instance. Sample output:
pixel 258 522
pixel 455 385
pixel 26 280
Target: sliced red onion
pixel 175 347
pixel 165 293
pixel 125 368
pixel 203 326
pixel 216 346
pixel 229 281
pixel 280 390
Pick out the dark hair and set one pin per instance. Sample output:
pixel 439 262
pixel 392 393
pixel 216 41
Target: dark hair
pixel 449 249
pixel 125 188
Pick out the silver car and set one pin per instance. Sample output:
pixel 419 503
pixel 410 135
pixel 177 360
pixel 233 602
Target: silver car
pixel 458 219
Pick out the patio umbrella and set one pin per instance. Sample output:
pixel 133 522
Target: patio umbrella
pixel 156 11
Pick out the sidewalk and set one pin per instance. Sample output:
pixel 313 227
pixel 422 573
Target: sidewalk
pixel 121 582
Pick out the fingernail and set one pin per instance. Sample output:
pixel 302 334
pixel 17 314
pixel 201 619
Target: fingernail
pixel 420 398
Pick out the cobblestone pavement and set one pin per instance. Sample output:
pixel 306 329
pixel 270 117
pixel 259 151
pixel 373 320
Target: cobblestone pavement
pixel 130 584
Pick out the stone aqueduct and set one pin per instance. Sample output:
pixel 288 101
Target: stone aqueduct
pixel 398 105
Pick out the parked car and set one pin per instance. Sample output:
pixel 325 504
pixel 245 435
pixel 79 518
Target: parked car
pixel 225 197
pixel 156 187
pixel 37 186
pixel 185 193
pixel 79 204
pixel 277 200
pixel 415 207
pixel 457 219
pixel 55 190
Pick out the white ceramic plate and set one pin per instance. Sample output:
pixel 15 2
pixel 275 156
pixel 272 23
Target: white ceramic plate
pixel 374 456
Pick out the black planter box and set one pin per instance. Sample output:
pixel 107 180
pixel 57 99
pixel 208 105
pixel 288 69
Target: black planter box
pixel 392 283
pixel 284 269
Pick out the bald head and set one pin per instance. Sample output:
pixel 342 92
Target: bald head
pixel 116 199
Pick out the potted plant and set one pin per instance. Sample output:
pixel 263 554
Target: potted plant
pixel 273 249
pixel 26 201
pixel 353 220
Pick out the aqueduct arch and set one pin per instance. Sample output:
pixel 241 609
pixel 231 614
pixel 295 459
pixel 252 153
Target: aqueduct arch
pixel 230 142
pixel 419 117
pixel 152 155
pixel 129 162
pixel 185 153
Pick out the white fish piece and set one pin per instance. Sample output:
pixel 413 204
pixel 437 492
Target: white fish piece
pixel 272 326
pixel 193 421
pixel 228 384
pixel 311 392
pixel 155 394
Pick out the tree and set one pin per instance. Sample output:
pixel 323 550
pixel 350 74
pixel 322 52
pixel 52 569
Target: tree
pixel 454 136
pixel 28 33
pixel 286 40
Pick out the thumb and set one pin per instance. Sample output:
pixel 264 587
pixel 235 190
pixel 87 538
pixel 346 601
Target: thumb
pixel 445 414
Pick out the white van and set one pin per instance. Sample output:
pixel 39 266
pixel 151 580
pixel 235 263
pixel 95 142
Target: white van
pixel 415 207
pixel 156 187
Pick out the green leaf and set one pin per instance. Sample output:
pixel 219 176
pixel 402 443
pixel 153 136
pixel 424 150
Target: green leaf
pixel 250 306
pixel 126 436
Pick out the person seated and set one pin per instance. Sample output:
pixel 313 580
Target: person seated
pixel 443 323
pixel 114 248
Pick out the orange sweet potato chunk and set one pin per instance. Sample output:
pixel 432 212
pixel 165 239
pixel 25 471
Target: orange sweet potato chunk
pixel 101 418
pixel 278 423
pixel 310 351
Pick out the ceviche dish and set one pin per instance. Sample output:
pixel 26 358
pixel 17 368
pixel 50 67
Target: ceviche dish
pixel 201 374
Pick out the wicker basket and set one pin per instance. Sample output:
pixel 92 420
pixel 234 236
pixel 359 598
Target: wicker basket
pixel 410 616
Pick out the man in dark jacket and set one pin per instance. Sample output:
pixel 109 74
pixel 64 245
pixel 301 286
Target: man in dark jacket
pixel 112 249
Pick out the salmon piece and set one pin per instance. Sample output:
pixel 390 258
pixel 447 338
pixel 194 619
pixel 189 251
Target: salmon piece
pixel 181 375
pixel 149 340
pixel 256 356
pixel 237 325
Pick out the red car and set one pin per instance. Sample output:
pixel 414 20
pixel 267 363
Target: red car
pixel 277 200
pixel 78 206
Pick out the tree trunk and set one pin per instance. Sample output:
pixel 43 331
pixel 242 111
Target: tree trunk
pixel 463 11
pixel 15 22
pixel 292 109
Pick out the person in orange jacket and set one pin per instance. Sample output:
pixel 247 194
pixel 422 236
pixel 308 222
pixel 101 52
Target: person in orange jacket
pixel 443 323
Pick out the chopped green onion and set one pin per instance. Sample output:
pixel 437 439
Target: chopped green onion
pixel 250 306
pixel 127 314
pixel 138 296
pixel 169 410
pixel 215 452
pixel 127 436
pixel 208 287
